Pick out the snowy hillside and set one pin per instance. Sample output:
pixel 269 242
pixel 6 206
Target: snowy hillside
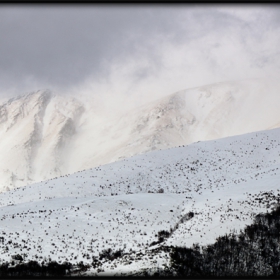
pixel 199 114
pixel 43 135
pixel 35 129
pixel 200 191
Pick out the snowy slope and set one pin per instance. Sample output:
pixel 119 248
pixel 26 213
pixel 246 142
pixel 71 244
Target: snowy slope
pixel 34 130
pixel 121 205
pixel 199 114
pixel 43 135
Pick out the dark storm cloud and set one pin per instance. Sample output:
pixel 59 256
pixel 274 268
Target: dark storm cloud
pixel 65 46
pixel 61 45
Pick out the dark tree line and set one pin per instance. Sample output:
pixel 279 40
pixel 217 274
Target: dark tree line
pixel 33 268
pixel 52 268
pixel 254 252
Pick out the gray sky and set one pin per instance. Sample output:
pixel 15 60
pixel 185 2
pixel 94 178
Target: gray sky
pixel 135 50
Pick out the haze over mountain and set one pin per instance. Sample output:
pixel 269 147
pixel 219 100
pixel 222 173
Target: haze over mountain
pixel 45 135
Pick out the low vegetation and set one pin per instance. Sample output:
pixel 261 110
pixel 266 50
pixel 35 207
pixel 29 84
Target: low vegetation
pixel 255 252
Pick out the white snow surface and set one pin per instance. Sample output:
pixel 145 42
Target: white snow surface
pixel 44 135
pixel 120 206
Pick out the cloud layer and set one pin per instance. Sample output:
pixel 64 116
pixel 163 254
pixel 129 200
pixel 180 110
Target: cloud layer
pixel 137 51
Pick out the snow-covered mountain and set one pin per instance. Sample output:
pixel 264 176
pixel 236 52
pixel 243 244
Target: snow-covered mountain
pixel 43 135
pixel 200 191
pixel 35 129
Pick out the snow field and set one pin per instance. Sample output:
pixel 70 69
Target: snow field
pixel 123 205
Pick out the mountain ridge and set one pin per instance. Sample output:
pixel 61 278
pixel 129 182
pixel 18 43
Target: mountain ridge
pixel 63 134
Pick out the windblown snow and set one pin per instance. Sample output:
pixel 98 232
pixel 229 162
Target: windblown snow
pixel 123 205
pixel 43 135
